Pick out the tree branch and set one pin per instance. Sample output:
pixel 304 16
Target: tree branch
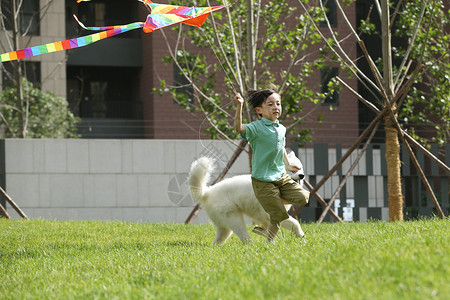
pixel 351 66
pixel 217 128
pixel 411 43
pixel 219 42
pixel 196 88
pixel 358 96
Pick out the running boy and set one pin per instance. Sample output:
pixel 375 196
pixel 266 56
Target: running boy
pixel 270 182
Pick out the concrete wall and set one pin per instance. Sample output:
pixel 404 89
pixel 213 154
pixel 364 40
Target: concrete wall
pixel 130 180
pixel 145 180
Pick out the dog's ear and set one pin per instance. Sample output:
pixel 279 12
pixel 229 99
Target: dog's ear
pixel 300 174
pixel 293 158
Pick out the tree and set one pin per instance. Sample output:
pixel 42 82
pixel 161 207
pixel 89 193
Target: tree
pixel 47 116
pixel 428 102
pixel 398 89
pixel 390 83
pixel 18 20
pixel 249 43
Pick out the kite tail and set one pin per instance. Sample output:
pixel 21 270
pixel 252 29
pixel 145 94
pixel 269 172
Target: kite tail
pixel 67 44
pixel 129 26
pixel 145 1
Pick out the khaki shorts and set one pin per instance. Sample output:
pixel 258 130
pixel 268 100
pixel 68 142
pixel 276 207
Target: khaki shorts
pixel 272 194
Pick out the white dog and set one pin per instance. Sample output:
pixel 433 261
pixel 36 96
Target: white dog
pixel 228 201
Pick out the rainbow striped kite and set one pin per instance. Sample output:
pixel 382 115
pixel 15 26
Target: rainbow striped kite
pixel 161 16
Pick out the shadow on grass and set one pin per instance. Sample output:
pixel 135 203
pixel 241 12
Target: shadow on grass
pixel 186 243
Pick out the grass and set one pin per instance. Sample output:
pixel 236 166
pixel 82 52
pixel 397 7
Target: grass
pixel 86 260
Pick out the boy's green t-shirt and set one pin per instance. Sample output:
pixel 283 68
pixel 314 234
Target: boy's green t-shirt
pixel 267 139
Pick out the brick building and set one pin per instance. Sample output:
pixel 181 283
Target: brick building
pixel 109 84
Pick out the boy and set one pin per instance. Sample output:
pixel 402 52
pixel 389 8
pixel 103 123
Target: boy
pixel 270 182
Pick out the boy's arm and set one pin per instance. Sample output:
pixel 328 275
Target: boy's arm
pixel 290 167
pixel 238 126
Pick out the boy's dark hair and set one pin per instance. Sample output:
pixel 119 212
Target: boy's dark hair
pixel 257 97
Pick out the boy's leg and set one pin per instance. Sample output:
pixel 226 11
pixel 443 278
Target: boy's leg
pixel 291 191
pixel 268 196
pixel 272 232
pixel 260 230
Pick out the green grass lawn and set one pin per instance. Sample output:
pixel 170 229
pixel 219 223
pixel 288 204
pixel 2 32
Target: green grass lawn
pixel 82 259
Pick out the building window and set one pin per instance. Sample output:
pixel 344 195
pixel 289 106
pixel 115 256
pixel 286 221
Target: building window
pixel 104 92
pixel 330 8
pixel 326 75
pixel 28 18
pixel 97 101
pixel 31 70
pixel 182 85
pixel 100 13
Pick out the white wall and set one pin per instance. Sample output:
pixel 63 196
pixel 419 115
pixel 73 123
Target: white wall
pixel 129 180
pixel 142 180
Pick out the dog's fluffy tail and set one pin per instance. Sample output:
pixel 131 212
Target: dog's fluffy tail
pixel 199 176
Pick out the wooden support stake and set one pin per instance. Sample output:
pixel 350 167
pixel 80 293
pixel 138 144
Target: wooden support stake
pixel 346 155
pixel 4 212
pixel 407 136
pixel 430 155
pixel 422 175
pixel 341 185
pixel 13 204
pixel 236 154
pixel 321 201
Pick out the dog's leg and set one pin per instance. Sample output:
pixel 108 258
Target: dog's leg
pixel 237 224
pixel 293 225
pixel 222 235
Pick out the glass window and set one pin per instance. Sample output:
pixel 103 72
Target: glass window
pixel 330 8
pixel 101 13
pixel 97 103
pixel 104 92
pixel 182 85
pixel 326 74
pixel 28 18
pixel 29 21
pixel 31 70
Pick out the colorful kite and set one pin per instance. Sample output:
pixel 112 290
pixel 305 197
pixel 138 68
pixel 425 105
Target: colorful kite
pixel 161 16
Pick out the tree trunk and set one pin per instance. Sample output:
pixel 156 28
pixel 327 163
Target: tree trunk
pixel 251 70
pixel 392 144
pixel 18 72
pixel 393 172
